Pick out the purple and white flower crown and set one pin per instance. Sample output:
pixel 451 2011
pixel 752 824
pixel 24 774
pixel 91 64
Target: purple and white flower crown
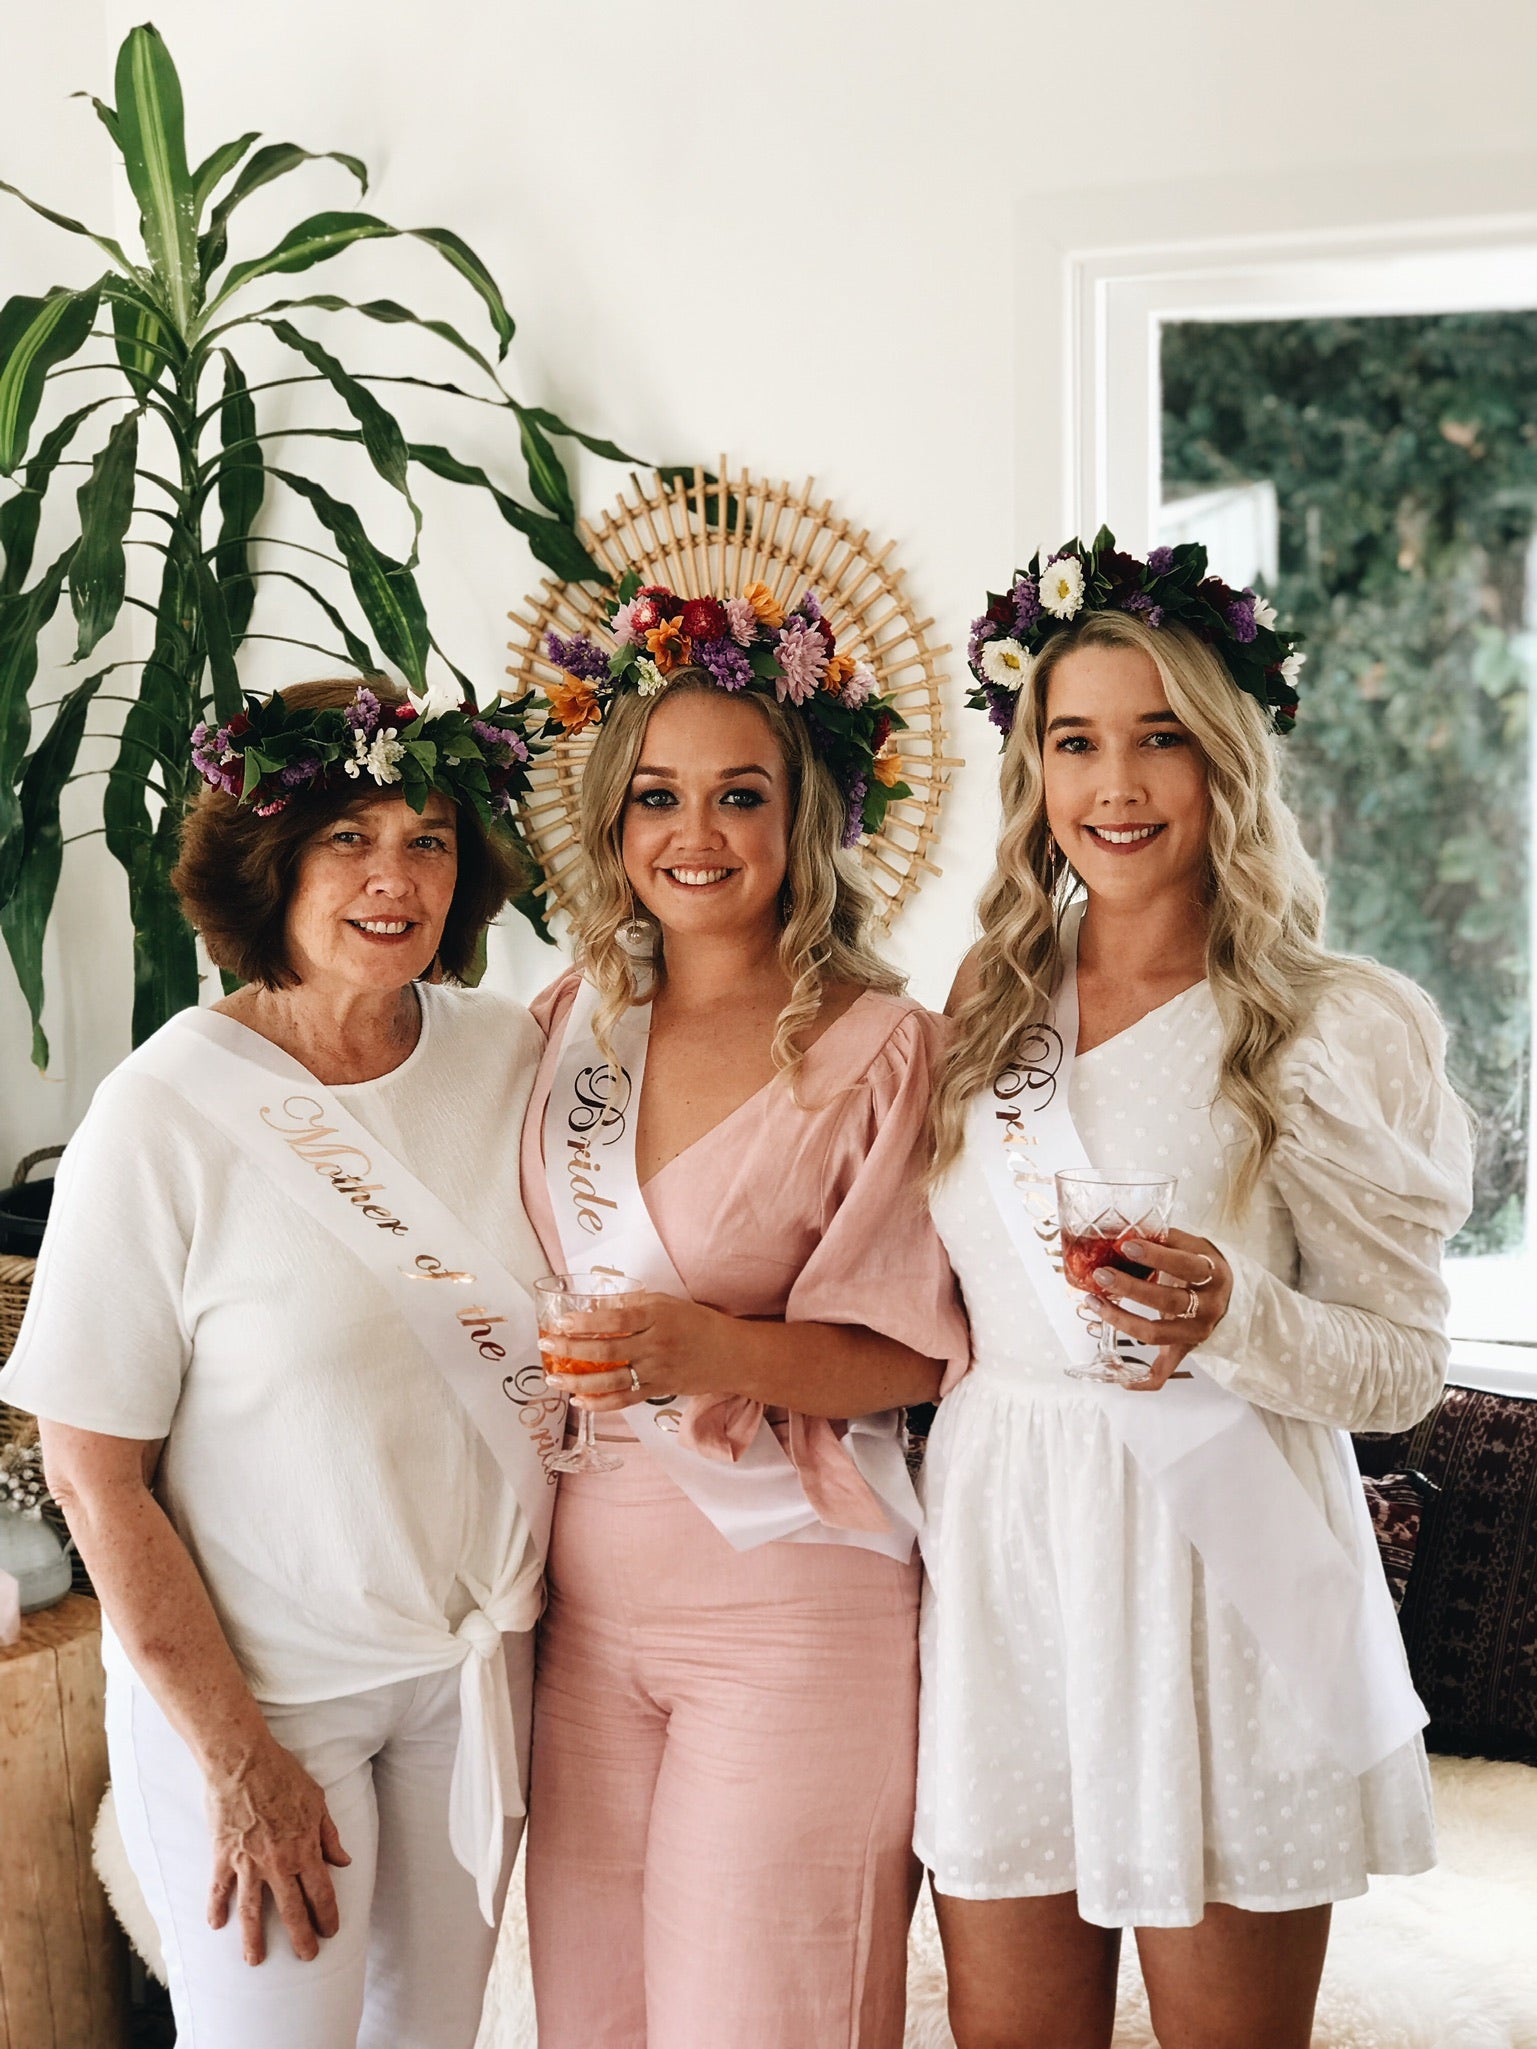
pixel 745 643
pixel 1170 588
pixel 439 739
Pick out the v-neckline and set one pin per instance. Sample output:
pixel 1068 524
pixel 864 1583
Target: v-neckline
pixel 747 1101
pixel 1137 1023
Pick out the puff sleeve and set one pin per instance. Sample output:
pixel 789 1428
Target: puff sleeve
pixel 1374 1169
pixel 877 1262
pixel 880 1262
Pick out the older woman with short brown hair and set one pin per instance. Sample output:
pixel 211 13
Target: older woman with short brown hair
pixel 305 1479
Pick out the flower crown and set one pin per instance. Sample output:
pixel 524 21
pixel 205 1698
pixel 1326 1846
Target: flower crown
pixel 271 753
pixel 1170 588
pixel 745 643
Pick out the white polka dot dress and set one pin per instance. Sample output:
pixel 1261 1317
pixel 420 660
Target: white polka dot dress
pixel 1092 1718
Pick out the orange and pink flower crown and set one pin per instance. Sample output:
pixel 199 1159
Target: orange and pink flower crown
pixel 746 643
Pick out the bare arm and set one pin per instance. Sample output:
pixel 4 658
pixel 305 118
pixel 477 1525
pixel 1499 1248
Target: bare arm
pixel 267 1817
pixel 819 1369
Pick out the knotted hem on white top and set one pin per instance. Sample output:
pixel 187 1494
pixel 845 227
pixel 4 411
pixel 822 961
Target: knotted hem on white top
pixel 486 1784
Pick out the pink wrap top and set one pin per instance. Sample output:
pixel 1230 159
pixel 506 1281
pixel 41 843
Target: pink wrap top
pixel 810 1211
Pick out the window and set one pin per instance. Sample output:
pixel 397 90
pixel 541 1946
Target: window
pixel 1356 434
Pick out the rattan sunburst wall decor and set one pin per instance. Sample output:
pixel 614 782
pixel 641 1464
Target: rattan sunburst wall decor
pixel 713 538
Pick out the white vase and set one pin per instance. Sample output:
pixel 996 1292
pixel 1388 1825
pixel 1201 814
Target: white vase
pixel 33 1555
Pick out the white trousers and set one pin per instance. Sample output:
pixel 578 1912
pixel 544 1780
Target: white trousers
pixel 408 1967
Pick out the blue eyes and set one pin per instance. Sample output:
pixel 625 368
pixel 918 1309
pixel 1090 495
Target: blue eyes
pixel 666 800
pixel 1160 743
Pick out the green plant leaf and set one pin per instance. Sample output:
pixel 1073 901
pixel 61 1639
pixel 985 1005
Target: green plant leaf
pixel 155 732
pixel 221 653
pixel 391 313
pixel 22 619
pixel 99 573
pixel 272 161
pixel 35 335
pixel 546 472
pixel 149 113
pixel 106 115
pixel 552 423
pixel 135 331
pixel 314 240
pixel 165 975
pixel 359 653
pixel 385 590
pixel 216 165
pixel 154 337
pixel 24 915
pixel 242 486
pixel 552 541
pixel 453 249
pixel 382 438
pixel 20 513
pixel 62 220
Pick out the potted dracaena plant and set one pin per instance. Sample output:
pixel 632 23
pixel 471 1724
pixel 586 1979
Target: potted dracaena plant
pixel 176 448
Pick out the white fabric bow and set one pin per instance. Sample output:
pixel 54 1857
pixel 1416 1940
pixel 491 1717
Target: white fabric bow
pixel 485 1785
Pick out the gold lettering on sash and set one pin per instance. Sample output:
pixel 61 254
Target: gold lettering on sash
pixel 302 1127
pixel 309 1138
pixel 428 1267
pixel 478 1322
pixel 601 1107
pixel 542 1414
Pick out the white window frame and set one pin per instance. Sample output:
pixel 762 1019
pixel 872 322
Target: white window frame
pixel 1117 302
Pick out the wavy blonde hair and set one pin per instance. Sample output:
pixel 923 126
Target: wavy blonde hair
pixel 1265 958
pixel 826 907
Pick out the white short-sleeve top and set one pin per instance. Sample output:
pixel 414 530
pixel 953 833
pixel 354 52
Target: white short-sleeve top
pixel 341 1508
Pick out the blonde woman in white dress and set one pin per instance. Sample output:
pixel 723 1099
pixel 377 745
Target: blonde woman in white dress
pixel 1162 1685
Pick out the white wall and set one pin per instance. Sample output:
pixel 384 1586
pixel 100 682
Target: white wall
pixel 823 236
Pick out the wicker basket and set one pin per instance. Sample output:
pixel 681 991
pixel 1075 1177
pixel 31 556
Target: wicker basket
pixel 16 1426
pixel 15 1286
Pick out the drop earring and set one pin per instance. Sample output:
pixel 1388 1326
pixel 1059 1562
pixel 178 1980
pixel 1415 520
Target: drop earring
pixel 637 937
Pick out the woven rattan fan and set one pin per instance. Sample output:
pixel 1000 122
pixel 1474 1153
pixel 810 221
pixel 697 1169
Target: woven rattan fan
pixel 673 533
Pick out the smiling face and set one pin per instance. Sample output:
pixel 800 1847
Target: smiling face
pixel 707 819
pixel 371 892
pixel 1125 782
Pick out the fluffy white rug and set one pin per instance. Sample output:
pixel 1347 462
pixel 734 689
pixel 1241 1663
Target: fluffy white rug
pixel 1447 1961
pixel 122 1888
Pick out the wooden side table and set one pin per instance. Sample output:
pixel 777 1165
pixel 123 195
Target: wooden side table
pixel 63 1958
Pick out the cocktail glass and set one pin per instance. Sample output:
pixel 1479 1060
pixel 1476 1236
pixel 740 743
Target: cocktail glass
pixel 586 1324
pixel 1096 1215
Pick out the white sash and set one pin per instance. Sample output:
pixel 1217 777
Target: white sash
pixel 475 1322
pixel 604 1225
pixel 1320 1612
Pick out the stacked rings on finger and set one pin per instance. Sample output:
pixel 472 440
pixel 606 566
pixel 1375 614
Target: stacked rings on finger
pixel 1192 1305
pixel 634 1381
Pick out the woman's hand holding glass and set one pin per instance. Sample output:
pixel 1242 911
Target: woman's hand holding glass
pixel 674 1348
pixel 1189 1294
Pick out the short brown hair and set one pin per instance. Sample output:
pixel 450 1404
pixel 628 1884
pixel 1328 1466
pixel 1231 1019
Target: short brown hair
pixel 235 876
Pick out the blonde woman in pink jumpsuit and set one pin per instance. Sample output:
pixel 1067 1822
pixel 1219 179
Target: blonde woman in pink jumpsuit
pixel 725 1716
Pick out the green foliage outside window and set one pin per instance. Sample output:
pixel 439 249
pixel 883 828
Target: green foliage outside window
pixel 1404 457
